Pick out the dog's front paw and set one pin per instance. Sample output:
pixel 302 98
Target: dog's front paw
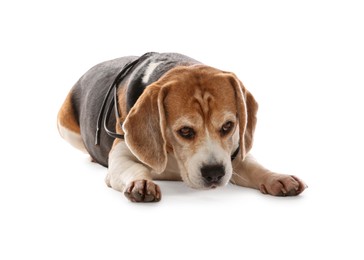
pixel 143 191
pixel 282 185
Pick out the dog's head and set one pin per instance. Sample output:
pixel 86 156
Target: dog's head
pixel 198 113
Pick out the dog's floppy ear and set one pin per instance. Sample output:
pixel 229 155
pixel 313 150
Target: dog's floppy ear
pixel 144 128
pixel 247 109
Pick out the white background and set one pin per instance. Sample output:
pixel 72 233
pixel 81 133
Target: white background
pixel 302 60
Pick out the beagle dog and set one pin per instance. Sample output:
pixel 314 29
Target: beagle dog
pixel 165 116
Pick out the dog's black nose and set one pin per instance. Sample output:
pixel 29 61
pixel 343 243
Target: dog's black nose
pixel 212 173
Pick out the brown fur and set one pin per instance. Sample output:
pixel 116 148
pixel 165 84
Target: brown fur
pixel 249 118
pixel 211 95
pixel 66 115
pixel 198 97
pixel 122 108
pixel 166 100
pixel 144 127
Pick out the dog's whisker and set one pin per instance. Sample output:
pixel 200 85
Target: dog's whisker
pixel 232 181
pixel 240 177
pixel 231 184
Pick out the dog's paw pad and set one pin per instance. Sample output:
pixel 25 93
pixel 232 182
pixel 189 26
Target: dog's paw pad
pixel 143 191
pixel 282 185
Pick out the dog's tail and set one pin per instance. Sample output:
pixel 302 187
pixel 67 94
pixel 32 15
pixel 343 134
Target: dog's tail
pixel 68 126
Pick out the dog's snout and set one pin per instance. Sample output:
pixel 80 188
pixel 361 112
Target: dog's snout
pixel 212 173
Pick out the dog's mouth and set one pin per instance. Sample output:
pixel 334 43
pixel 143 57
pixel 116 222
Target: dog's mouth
pixel 202 185
pixel 213 186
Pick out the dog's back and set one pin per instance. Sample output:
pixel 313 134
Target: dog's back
pixel 78 116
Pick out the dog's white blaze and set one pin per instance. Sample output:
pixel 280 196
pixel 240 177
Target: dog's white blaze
pixel 210 153
pixel 73 138
pixel 148 72
pixel 124 168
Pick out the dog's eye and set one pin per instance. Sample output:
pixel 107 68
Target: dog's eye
pixel 226 128
pixel 186 132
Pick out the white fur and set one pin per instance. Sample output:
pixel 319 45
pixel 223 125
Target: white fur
pixel 149 70
pixel 73 138
pixel 124 168
pixel 210 153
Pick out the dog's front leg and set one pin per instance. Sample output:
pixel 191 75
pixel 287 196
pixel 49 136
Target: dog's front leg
pixel 128 175
pixel 249 173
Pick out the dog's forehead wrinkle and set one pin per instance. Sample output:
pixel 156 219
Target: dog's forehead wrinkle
pixel 202 100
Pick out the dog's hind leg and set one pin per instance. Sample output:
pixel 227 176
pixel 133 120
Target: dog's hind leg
pixel 68 125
